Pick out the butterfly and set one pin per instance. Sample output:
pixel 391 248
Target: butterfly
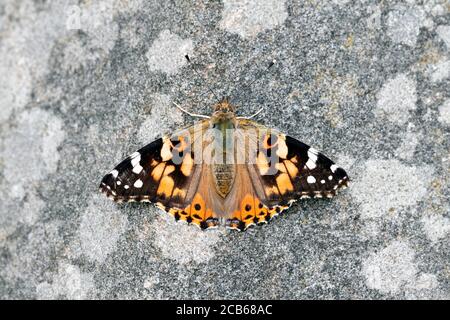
pixel 224 170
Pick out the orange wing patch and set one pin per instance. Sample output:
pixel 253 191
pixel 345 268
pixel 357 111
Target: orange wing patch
pixel 261 212
pixel 158 171
pixel 166 150
pixel 284 183
pixel 247 210
pixel 196 213
pixel 177 192
pixel 252 211
pixel 282 150
pixel 198 208
pixel 187 165
pixel 291 168
pixel 165 187
pixel 262 163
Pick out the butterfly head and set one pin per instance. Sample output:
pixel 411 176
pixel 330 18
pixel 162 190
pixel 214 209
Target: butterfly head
pixel 224 106
pixel 224 114
pixel 224 110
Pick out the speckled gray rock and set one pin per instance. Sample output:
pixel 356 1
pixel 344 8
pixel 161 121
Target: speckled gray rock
pixel 83 84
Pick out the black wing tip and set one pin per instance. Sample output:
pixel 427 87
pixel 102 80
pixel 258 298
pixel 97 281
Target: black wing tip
pixel 340 173
pixel 106 189
pixel 121 199
pixel 342 184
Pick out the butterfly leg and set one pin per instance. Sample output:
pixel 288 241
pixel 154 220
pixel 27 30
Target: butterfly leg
pixel 252 116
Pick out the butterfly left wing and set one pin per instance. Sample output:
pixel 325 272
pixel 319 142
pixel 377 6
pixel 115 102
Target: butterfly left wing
pixel 279 170
pixel 165 173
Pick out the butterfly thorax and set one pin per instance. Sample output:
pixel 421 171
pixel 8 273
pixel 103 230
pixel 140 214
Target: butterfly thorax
pixel 223 121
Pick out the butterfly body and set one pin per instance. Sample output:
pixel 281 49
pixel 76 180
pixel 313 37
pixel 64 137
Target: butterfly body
pixel 223 123
pixel 224 169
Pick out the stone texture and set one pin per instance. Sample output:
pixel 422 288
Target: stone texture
pixel 86 83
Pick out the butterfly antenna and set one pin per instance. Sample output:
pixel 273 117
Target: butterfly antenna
pixel 260 74
pixel 199 76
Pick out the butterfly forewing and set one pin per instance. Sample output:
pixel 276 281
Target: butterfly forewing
pixel 130 180
pixel 317 175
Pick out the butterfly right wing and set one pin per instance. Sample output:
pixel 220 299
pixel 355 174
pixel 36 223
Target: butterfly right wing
pixel 279 170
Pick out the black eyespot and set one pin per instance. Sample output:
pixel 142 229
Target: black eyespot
pixel 248 207
pixel 196 216
pixel 260 205
pixel 248 217
pixel 277 209
pixel 197 206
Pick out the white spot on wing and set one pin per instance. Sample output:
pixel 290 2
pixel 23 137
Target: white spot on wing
pixel 311 179
pixel 134 155
pixel 137 169
pixel 333 168
pixel 313 151
pixel 115 173
pixel 135 158
pixel 310 164
pixel 138 183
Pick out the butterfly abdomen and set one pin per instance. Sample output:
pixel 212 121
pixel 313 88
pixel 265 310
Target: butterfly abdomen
pixel 223 176
pixel 223 166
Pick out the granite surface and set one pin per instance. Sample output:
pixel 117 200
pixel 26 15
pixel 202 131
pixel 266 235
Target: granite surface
pixel 85 83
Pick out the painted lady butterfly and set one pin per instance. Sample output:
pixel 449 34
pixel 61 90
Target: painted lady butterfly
pixel 224 170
